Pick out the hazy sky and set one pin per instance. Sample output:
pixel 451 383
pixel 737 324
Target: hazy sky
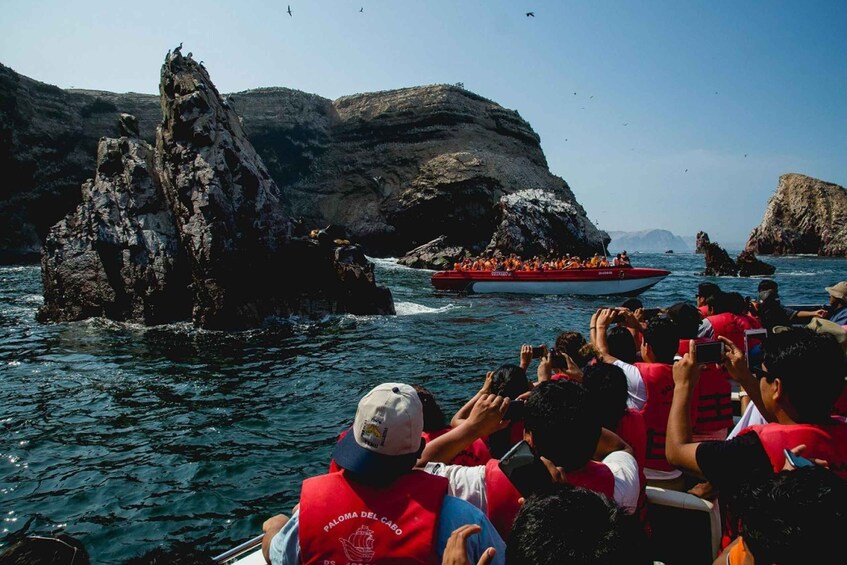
pixel 625 95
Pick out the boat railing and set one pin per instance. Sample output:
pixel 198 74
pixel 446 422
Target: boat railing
pixel 239 550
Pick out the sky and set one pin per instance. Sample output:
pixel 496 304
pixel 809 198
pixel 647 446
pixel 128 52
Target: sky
pixel 679 115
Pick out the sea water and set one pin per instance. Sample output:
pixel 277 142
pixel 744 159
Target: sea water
pixel 130 437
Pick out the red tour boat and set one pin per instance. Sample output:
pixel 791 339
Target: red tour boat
pixel 601 281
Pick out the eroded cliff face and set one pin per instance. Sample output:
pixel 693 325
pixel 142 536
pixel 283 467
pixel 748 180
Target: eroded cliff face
pixel 397 168
pixel 198 225
pixel 805 215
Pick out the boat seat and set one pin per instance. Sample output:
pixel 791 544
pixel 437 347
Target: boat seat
pixel 686 529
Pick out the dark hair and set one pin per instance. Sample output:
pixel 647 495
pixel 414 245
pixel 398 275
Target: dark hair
pixel 576 526
pixel 719 302
pixel 574 344
pixel 621 344
pixel 633 304
pixel 687 318
pixel 736 303
pixel 565 426
pixel 811 368
pixel 509 380
pixel 61 549
pixel 180 553
pixel 771 311
pixel 433 417
pixel 606 384
pixel 767 284
pixel 707 289
pixel 794 517
pixel 662 335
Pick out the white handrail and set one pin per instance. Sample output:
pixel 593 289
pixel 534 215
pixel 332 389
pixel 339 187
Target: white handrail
pixel 239 549
pixel 686 501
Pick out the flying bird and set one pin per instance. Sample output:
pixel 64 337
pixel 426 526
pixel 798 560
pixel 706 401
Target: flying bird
pixel 686 170
pixel 289 9
pixel 362 9
pixel 530 14
pixel 745 154
pixel 626 124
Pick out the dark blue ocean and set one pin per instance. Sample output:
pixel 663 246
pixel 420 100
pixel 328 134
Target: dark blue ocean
pixel 130 437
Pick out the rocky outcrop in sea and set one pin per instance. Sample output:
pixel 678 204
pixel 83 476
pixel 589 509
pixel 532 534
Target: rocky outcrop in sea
pixel 196 228
pixel 398 168
pixel 805 215
pixel 720 264
pixel 701 242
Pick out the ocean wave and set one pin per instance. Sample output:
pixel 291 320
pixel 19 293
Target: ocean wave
pixel 391 264
pixel 413 309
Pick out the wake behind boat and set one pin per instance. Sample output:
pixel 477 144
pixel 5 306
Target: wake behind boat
pixel 601 281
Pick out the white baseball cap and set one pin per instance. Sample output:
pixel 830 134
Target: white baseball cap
pixel 386 433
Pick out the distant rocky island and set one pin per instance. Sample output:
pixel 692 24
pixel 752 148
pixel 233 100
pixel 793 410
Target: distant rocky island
pixel 397 168
pixel 805 215
pixel 647 241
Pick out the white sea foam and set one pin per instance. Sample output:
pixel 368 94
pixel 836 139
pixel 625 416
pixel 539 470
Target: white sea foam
pixel 391 264
pixel 413 309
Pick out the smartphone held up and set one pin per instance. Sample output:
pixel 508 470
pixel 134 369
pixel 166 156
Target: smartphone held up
pixel 709 352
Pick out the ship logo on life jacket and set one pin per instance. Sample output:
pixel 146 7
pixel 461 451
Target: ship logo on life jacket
pixel 359 547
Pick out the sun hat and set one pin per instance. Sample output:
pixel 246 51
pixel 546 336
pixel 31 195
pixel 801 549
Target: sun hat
pixel 821 326
pixel 386 435
pixel 838 291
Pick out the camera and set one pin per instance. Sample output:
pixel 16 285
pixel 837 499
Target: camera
pixel 709 352
pixel 538 351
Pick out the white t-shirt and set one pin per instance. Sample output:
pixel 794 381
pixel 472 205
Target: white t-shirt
pixel 468 483
pixel 635 386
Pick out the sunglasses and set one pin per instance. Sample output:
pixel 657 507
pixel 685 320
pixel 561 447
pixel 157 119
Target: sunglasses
pixel 760 373
pixel 62 553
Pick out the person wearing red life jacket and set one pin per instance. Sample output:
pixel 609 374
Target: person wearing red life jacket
pixel 795 516
pixel 564 433
pixel 704 292
pixel 723 320
pixel 378 509
pixel 507 380
pixel 434 426
pixel 649 385
pixel 802 376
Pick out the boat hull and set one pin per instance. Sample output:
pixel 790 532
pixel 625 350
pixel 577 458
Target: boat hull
pixel 586 282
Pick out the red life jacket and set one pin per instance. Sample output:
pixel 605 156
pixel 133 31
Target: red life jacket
pixel 502 496
pixel 729 326
pixel 827 442
pixel 749 322
pixel 711 403
pixel 658 378
pixel 342 521
pixel 632 428
pixel 475 454
pixel 704 310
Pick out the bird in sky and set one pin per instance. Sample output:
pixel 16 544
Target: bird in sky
pixel 590 97
pixel 686 170
pixel 289 10
pixel 362 9
pixel 530 14
pixel 745 154
pixel 626 124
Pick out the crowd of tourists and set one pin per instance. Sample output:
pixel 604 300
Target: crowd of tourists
pixel 550 458
pixel 515 263
pixel 554 468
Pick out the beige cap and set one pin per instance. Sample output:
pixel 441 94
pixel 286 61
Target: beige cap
pixel 839 290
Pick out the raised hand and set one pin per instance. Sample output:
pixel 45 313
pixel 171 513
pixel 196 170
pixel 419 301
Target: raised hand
pixel 487 414
pixel 686 370
pixel 734 360
pixel 456 549
pixel 526 356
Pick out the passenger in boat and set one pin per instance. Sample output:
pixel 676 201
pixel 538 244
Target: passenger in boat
pixel 770 311
pixel 724 322
pixel 508 381
pixel 704 291
pixel 793 517
pixel 435 425
pixel 838 303
pixel 802 376
pixel 625 262
pixel 543 533
pixel 649 384
pixel 563 431
pixel 378 509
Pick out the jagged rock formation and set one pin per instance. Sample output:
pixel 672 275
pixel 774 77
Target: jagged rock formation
pixel 118 255
pixel 805 215
pixel 702 242
pixel 718 261
pixel 647 241
pixel 397 168
pixel 436 254
pixel 215 219
pixel 750 266
pixel 538 222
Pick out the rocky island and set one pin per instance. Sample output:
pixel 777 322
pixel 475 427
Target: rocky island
pixel 195 228
pixel 805 215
